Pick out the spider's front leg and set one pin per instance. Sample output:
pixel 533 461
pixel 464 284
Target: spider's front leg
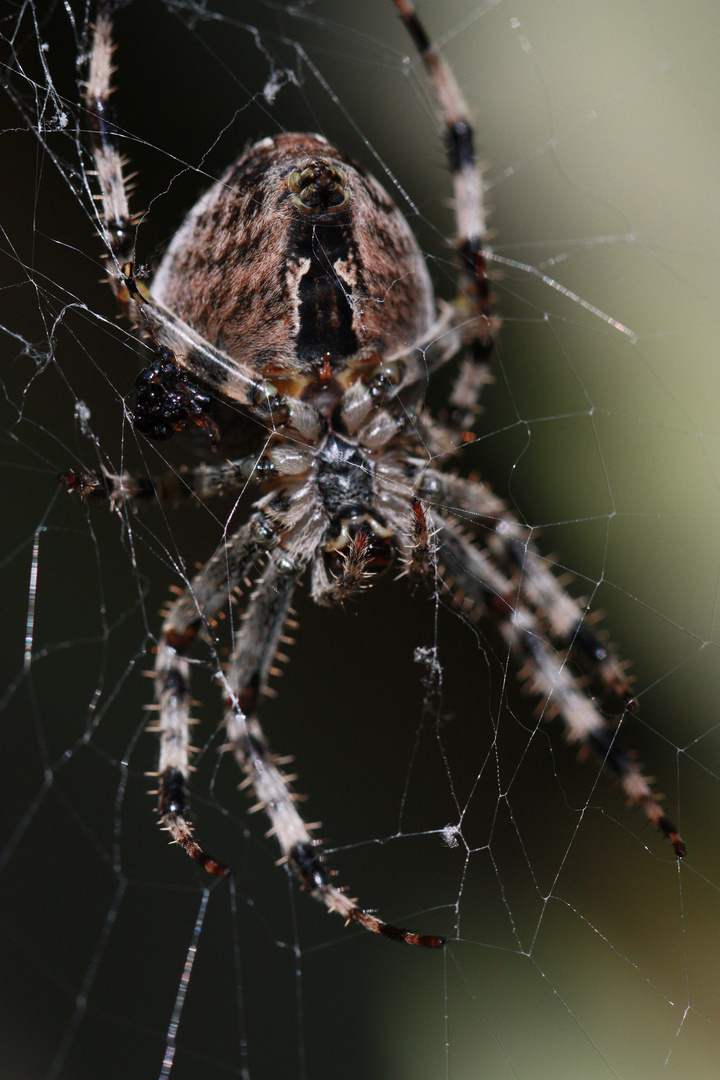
pixel 248 672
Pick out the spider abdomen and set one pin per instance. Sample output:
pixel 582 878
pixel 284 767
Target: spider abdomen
pixel 297 260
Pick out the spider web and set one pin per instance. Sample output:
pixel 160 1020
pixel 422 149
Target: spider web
pixel 578 948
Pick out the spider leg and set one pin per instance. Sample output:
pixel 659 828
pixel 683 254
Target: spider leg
pixel 167 401
pixel 483 589
pixel 473 309
pixel 248 672
pixel 196 606
pixel 117 224
pixel 202 481
pixel 567 620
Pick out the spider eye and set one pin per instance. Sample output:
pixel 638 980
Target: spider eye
pixel 319 188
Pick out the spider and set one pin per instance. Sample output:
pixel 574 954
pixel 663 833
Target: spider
pixel 296 294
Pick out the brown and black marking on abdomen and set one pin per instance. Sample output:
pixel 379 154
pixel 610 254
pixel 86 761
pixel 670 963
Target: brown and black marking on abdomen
pixel 324 299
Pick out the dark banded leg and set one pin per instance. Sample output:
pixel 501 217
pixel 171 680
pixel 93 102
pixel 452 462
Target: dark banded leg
pixel 566 619
pixel 481 589
pixel 193 610
pixel 250 666
pixel 202 481
pixel 475 317
pixel 166 400
pixel 117 225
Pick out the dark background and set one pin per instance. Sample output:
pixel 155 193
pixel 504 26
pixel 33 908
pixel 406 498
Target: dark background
pixel 577 949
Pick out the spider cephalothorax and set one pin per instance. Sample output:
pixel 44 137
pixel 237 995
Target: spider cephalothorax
pixel 295 295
